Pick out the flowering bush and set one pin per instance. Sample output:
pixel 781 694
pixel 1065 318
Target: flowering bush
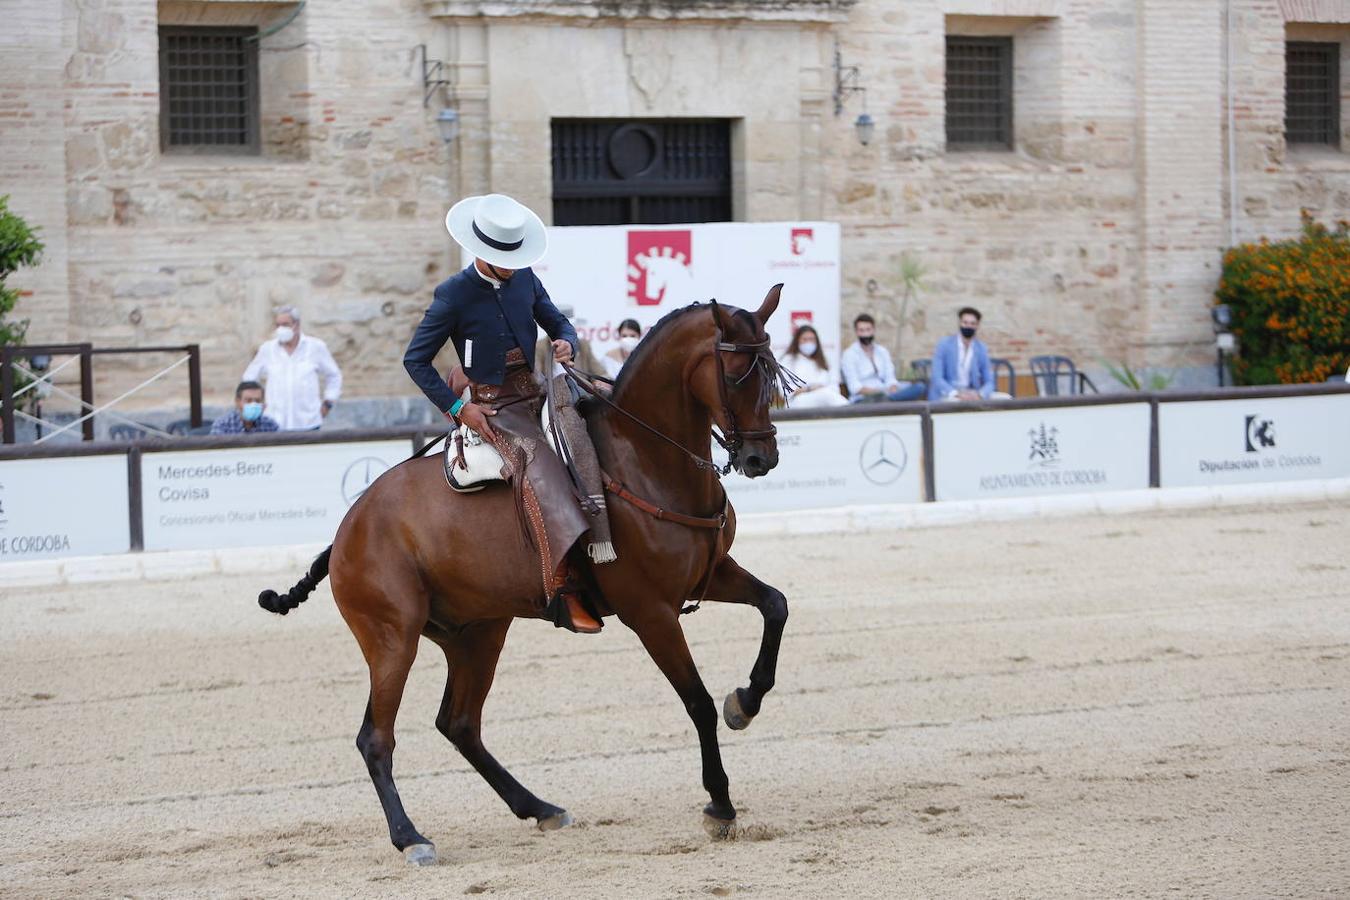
pixel 1290 302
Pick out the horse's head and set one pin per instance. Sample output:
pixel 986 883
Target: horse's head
pixel 740 381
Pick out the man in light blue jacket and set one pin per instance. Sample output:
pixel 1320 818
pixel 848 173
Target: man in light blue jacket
pixel 961 369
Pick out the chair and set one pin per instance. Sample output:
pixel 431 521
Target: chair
pixel 124 432
pixel 1004 368
pixel 180 427
pixel 1048 370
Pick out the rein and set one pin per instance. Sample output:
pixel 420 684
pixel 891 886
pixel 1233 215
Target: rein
pixel 734 437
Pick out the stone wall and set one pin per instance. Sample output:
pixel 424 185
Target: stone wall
pixel 1098 236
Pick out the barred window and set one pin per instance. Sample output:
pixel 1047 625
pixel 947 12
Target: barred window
pixel 979 93
pixel 1312 93
pixel 208 89
pixel 641 172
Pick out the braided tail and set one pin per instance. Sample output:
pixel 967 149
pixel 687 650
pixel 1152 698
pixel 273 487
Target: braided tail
pixel 281 604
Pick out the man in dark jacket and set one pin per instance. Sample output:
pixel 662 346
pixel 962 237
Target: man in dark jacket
pixel 489 311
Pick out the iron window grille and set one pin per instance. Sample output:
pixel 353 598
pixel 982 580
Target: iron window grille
pixel 979 93
pixel 208 90
pixel 1312 93
pixel 641 172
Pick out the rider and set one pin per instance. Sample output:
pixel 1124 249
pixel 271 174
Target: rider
pixel 489 311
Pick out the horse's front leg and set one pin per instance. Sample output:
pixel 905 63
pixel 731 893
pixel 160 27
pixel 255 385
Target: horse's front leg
pixel 659 629
pixel 732 584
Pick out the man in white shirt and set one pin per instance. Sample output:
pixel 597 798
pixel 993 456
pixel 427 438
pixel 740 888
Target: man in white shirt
pixel 868 371
pixel 291 363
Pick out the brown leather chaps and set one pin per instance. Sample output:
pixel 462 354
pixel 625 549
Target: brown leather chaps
pixel 544 496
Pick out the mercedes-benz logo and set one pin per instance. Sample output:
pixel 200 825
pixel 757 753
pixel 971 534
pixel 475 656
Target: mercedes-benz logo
pixel 361 475
pixel 883 457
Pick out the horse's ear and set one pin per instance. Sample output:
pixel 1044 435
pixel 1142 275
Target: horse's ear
pixel 770 304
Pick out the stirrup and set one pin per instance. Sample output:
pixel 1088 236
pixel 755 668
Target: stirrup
pixel 558 613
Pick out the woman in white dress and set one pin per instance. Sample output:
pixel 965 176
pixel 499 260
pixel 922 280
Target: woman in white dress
pixel 630 332
pixel 806 359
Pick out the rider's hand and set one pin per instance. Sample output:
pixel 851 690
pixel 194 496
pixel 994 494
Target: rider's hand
pixel 476 417
pixel 562 350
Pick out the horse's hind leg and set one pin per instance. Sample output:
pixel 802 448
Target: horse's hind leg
pixel 732 584
pixel 390 646
pixel 472 656
pixel 659 629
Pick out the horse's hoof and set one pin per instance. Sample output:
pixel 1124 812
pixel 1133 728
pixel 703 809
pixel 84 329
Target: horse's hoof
pixel 732 712
pixel 719 829
pixel 419 855
pixel 555 821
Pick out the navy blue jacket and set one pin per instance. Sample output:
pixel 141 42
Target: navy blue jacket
pixel 468 308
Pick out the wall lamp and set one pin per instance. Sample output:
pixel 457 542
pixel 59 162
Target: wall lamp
pixel 845 85
pixel 447 124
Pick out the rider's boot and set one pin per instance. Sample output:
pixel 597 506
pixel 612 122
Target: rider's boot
pixel 565 609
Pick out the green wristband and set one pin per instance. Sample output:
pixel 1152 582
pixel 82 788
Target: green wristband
pixel 456 407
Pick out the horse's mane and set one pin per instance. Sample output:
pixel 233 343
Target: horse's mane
pixel 776 385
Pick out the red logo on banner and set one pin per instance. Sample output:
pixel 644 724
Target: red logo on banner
pixel 801 317
pixel 657 262
pixel 802 239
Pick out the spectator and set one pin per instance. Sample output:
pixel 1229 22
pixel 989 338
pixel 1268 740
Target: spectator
pixel 291 364
pixel 961 369
pixel 630 332
pixel 868 371
pixel 543 351
pixel 806 358
pixel 247 416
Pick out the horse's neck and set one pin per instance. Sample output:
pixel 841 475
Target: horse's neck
pixel 644 461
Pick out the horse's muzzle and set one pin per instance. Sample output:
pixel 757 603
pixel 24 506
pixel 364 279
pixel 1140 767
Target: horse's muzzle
pixel 758 458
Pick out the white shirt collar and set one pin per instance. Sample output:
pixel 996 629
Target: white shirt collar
pixel 483 275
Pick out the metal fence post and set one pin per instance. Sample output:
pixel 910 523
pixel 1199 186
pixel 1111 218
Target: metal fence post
pixel 1154 453
pixel 7 392
pixel 195 384
pixel 87 387
pixel 929 471
pixel 134 505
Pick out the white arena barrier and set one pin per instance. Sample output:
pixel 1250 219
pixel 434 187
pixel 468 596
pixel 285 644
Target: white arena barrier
pixel 851 468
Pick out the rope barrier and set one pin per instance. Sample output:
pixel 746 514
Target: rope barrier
pixel 151 380
pixel 79 401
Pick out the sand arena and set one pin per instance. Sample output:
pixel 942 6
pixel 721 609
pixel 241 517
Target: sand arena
pixel 1145 705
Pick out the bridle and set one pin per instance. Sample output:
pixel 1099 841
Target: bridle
pixel 734 437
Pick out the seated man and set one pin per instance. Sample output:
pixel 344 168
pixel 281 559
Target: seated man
pixel 868 371
pixel 247 416
pixel 961 369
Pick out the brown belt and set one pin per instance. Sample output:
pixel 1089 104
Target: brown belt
pixel 519 384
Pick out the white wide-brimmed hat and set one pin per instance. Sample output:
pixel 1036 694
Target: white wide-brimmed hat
pixel 498 230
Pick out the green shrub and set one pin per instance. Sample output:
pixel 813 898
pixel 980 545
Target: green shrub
pixel 1290 302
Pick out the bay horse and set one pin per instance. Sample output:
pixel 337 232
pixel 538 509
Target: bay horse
pixel 412 558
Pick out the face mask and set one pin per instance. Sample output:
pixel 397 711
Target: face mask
pixel 285 334
pixel 967 333
pixel 628 343
pixel 807 348
pixel 252 412
pixel 867 341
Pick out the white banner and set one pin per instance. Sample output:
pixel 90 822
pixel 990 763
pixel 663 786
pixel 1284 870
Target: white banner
pixel 199 499
pixel 66 506
pixel 1055 450
pixel 1240 441
pixel 838 462
pixel 611 273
